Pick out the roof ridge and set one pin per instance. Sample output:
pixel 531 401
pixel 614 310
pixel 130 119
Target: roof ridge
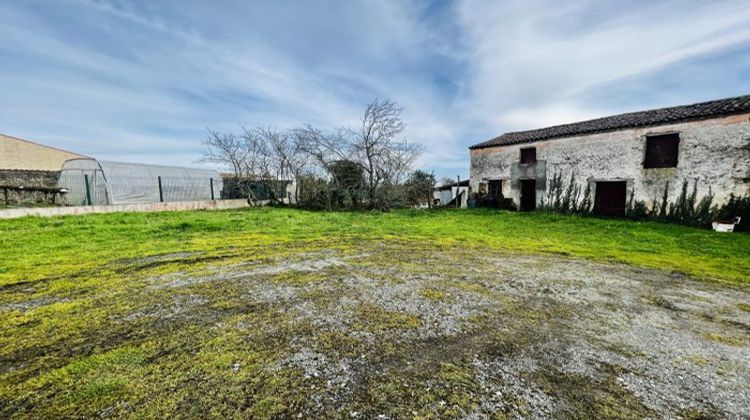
pixel 656 116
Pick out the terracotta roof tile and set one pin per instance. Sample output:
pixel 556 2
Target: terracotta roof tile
pixel 652 117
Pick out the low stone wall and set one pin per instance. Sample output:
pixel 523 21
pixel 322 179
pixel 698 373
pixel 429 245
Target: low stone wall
pixel 25 188
pixel 117 208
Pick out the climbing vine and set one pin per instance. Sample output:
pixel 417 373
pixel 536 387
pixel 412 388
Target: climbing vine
pixel 687 209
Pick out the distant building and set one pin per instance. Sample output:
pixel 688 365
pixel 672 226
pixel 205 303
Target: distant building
pixel 29 171
pixel 446 194
pixel 623 158
pixel 32 174
pixel 23 155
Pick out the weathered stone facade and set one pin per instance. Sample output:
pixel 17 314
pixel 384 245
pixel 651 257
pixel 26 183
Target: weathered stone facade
pixel 714 152
pixel 22 187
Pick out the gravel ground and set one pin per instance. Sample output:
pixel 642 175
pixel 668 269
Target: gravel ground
pixel 521 336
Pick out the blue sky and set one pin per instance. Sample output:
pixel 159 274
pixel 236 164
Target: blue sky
pixel 141 81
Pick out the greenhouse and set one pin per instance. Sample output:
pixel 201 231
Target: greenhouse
pixel 93 182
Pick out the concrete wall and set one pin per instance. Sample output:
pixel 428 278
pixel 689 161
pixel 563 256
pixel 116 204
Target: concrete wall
pixel 23 188
pixel 116 208
pixel 447 195
pixel 715 152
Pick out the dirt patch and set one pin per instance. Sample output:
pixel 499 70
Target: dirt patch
pixel 392 330
pixel 639 340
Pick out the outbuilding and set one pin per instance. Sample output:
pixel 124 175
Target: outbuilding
pixel 640 157
pixel 29 171
pixel 447 193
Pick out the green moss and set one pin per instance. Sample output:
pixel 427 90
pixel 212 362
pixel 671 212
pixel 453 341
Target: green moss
pixel 299 278
pixel 661 301
pixel 415 393
pixel 697 360
pixel 744 306
pixel 433 294
pixel 377 319
pixel 723 339
pixel 461 388
pixel 587 398
pixel 477 288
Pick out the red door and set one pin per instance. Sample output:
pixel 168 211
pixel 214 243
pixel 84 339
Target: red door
pixel 610 198
pixel 528 194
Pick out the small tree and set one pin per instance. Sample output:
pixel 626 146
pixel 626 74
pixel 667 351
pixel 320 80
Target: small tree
pixel 348 182
pixel 419 187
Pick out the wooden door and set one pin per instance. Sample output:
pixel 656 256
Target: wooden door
pixel 610 198
pixel 528 194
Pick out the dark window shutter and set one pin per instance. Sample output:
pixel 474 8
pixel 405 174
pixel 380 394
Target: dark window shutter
pixel 662 151
pixel 528 155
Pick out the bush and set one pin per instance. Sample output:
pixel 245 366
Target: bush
pixel 736 207
pixel 255 189
pixel 418 188
pixel 314 193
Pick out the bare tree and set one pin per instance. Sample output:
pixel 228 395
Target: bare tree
pixel 385 159
pixel 270 154
pixel 380 125
pixel 226 150
pixel 286 154
pixel 447 181
pixel 323 147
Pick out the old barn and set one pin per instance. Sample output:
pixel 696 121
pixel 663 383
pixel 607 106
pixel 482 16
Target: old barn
pixel 640 156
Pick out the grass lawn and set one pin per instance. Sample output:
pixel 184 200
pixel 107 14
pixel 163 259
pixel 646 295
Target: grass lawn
pixel 273 312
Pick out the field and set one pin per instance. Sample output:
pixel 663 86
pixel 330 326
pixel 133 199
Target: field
pixel 429 314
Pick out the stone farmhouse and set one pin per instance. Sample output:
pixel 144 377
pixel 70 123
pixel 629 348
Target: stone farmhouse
pixel 621 158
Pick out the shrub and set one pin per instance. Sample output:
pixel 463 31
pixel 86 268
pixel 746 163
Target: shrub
pixel 736 207
pixel 314 193
pixel 704 212
pixel 686 209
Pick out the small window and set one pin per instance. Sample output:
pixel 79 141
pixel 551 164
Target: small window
pixel 661 151
pixel 528 155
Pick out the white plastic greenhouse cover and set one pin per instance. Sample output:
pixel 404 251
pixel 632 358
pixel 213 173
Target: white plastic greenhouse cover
pixel 124 183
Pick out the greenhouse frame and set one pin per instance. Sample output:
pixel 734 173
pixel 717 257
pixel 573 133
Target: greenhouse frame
pixel 93 182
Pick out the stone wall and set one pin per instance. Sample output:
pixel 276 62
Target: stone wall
pixel 29 188
pixel 715 152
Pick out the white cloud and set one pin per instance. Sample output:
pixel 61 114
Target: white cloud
pixel 537 54
pixel 143 81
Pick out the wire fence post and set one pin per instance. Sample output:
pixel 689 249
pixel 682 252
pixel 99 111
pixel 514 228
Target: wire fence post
pixel 161 191
pixel 88 188
pixel 212 188
pixel 458 192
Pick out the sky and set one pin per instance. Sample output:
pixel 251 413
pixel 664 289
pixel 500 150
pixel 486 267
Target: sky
pixel 142 81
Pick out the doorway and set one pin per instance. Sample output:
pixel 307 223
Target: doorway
pixel 610 198
pixel 528 194
pixel 495 189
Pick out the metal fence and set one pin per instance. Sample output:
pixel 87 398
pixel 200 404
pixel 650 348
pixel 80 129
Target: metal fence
pixel 89 184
